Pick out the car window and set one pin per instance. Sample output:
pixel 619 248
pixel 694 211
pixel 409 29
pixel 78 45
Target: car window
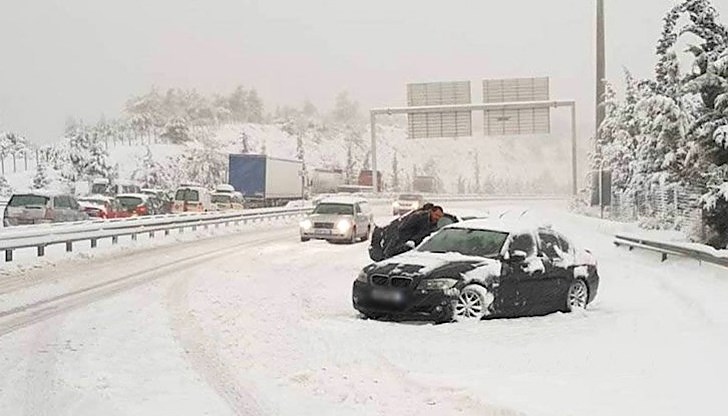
pixel 130 202
pixel 549 244
pixel 469 242
pixel 187 195
pixel 334 209
pixel 357 207
pixel 565 243
pixel 523 242
pixel 73 203
pixel 28 200
pixel 61 202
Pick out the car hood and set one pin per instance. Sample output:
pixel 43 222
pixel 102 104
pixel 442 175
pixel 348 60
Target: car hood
pixel 420 265
pixel 328 218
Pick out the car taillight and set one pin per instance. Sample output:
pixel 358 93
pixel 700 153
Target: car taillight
pixel 141 210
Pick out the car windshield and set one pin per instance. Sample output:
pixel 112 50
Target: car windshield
pixel 128 202
pixel 334 209
pixel 469 242
pixel 221 199
pixel 187 195
pixel 409 197
pixel 99 188
pixel 28 200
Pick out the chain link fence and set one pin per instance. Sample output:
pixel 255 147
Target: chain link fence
pixel 661 207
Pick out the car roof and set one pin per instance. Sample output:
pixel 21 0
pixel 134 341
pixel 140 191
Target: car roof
pixel 343 200
pixel 504 226
pixel 47 194
pixel 140 196
pixel 96 196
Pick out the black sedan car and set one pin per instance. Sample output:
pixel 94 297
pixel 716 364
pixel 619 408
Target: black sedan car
pixel 477 269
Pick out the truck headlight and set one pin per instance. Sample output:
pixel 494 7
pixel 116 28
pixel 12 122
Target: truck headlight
pixel 437 284
pixel 306 225
pixel 362 277
pixel 343 226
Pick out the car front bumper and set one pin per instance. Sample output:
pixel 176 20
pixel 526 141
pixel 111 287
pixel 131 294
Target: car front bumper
pixel 433 305
pixel 331 235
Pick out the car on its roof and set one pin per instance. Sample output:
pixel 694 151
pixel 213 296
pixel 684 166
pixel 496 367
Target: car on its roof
pixel 477 269
pixel 341 218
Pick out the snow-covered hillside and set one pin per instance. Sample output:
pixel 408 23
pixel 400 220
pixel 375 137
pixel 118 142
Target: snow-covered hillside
pixel 504 165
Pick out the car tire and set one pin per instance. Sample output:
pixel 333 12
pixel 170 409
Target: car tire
pixel 304 239
pixel 353 238
pixel 472 303
pixel 577 297
pixel 366 236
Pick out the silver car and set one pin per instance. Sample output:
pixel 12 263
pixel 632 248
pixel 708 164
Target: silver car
pixel 42 208
pixel 406 203
pixel 345 219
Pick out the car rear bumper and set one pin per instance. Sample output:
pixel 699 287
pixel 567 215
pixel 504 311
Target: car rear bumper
pixel 430 305
pixel 334 236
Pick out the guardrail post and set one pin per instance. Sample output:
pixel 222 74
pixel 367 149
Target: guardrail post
pixel 8 255
pixel 664 256
pixel 41 251
pixel 166 232
pixel 194 228
pixel 133 237
pixel 114 240
pixel 69 246
pixel 181 230
pixel 94 243
pixel 151 234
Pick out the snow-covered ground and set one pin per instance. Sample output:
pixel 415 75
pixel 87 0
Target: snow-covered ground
pixel 259 323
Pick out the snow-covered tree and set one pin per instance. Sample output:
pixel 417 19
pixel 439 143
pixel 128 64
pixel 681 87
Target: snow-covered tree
pixel 395 173
pixel 5 189
pixel 255 107
pixel 346 110
pixel 151 173
pixel 206 165
pixel 41 180
pixel 177 131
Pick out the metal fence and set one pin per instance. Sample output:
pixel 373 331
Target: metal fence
pixel 669 207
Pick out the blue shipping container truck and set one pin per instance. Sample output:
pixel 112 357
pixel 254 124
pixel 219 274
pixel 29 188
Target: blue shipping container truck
pixel 266 181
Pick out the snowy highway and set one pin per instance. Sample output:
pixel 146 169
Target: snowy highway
pixel 257 323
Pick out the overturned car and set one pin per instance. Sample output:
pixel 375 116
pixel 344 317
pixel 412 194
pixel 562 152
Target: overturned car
pixel 477 269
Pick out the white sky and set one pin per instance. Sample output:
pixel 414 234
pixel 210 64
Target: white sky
pixel 84 58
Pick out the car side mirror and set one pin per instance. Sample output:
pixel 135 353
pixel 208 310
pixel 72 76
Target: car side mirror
pixel 410 244
pixel 517 256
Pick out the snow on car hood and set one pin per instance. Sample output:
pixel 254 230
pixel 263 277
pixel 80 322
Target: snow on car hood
pixel 434 265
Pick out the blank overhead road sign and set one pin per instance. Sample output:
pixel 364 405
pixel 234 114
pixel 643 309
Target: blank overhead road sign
pixel 507 106
pixel 527 120
pixel 446 124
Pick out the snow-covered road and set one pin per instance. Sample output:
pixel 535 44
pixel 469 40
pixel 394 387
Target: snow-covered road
pixel 258 323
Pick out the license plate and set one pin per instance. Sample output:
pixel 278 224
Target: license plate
pixel 387 295
pixel 322 232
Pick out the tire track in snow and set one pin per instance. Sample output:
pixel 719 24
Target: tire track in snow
pixel 23 316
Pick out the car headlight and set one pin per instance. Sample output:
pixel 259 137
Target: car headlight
pixel 343 226
pixel 362 277
pixel 396 204
pixel 437 284
pixel 306 225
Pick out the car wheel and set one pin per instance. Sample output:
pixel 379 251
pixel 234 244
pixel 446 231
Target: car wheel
pixel 366 236
pixel 473 303
pixel 354 238
pixel 577 296
pixel 304 239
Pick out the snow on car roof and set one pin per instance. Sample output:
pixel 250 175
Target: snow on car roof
pixel 343 200
pixel 95 197
pixel 505 226
pixel 140 196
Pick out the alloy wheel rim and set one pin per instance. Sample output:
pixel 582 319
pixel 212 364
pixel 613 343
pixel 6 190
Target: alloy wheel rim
pixel 578 295
pixel 469 305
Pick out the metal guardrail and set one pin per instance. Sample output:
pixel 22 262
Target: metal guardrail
pixel 42 236
pixel 669 249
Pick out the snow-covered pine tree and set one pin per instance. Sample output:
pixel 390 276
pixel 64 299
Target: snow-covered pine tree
pixel 177 131
pixel 41 180
pixel 255 107
pixel 98 165
pixel 5 189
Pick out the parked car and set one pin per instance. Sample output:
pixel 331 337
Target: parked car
pixel 406 203
pixel 477 269
pixel 347 219
pixel 101 206
pixel 224 201
pixel 192 198
pixel 42 208
pixel 161 200
pixel 136 204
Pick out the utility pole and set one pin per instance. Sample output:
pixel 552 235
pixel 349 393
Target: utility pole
pixel 601 72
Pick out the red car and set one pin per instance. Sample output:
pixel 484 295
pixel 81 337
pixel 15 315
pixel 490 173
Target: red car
pixel 104 207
